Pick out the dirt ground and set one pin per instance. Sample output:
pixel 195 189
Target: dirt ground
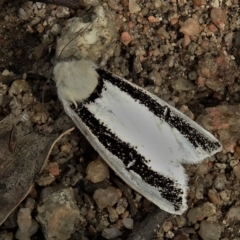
pixel 185 52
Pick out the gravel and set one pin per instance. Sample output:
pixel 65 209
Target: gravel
pixel 185 52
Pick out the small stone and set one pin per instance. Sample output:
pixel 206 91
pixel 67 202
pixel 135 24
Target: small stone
pixel 121 206
pixel 219 182
pixel 56 29
pixel 225 195
pixel 162 33
pixel 167 226
pixel 18 87
pixel 157 3
pixel 133 6
pixel 113 216
pixel 97 171
pixel 237 151
pixel 218 17
pixel 39 118
pixel 128 223
pixel 214 197
pixel 45 179
pixel 181 221
pixel 30 203
pixel 66 147
pixel 62 12
pixel 106 197
pixel 193 75
pixel 126 38
pixel 90 214
pixel 152 19
pixel 182 84
pixel 180 236
pixel 190 27
pixel 199 2
pixel 218 119
pixel 236 170
pixel 53 168
pixel 27 225
pixel 203 168
pixel 209 230
pixel 126 214
pixel 40 28
pixel 58 214
pixel 113 4
pixel 6 72
pixel 156 77
pixel 110 233
pixel 233 214
pixel 198 213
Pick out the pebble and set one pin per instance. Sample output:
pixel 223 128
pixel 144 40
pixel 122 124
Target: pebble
pixel 214 197
pixel 58 214
pixel 40 28
pixel 233 214
pixel 205 210
pixel 30 203
pixel 190 27
pixel 225 195
pixel 219 182
pixel 217 119
pixel 26 225
pixel 18 86
pixel 167 226
pixel 183 84
pixel 181 221
pixel 203 168
pixel 128 223
pixel 111 233
pixel 218 17
pixel 113 215
pixel 97 171
pixel 126 38
pixel 107 197
pixel 134 6
pixel 236 170
pixel 62 12
pixel 45 179
pixel 56 29
pixel 113 4
pixel 53 168
pixel 209 230
pixel 66 147
pixel 121 206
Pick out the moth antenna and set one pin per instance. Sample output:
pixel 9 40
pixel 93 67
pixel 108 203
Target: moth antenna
pixel 77 34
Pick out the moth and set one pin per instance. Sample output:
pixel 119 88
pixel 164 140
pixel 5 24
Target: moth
pixel 141 137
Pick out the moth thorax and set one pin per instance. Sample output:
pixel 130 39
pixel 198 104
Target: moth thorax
pixel 75 80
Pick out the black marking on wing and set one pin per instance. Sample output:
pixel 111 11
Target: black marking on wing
pixel 127 154
pixel 190 133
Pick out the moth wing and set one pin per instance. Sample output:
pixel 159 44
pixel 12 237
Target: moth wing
pixel 144 140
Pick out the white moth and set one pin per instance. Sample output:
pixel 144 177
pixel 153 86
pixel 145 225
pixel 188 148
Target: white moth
pixel 142 138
